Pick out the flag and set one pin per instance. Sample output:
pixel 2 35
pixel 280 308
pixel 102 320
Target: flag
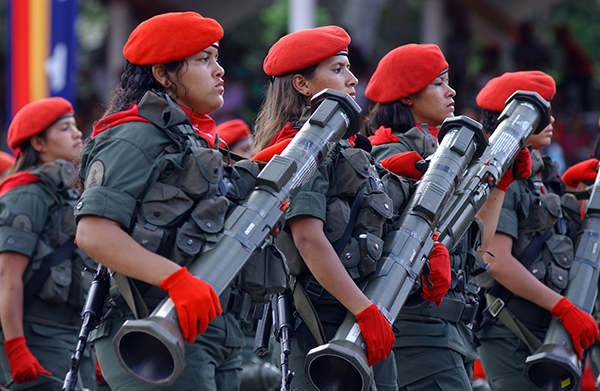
pixel 41 51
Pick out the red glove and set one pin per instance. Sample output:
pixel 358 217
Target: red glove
pixel 403 164
pixel 582 328
pixel 584 171
pixel 377 333
pixel 24 366
pixel 195 300
pixel 440 275
pixel 521 169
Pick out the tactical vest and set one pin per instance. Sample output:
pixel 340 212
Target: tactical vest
pixel 357 211
pixel 59 300
pixel 192 190
pixel 544 241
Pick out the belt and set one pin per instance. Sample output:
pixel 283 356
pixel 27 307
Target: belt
pixel 451 310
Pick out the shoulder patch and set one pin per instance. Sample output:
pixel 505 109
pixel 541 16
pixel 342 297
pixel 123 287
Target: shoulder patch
pixel 23 222
pixel 95 175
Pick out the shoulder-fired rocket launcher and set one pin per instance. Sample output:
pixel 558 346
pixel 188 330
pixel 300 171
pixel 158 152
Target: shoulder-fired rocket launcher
pixel 444 198
pixel 152 349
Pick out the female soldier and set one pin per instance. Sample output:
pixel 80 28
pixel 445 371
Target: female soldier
pixel 327 265
pixel 537 222
pixel 412 93
pixel 236 136
pixel 41 284
pixel 152 191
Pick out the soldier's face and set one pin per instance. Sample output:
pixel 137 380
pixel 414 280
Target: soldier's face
pixel 434 103
pixel 543 138
pixel 62 140
pixel 200 85
pixel 333 73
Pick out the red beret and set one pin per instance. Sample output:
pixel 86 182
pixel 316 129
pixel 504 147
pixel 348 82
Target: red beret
pixel 233 131
pixel 495 93
pixel 304 48
pixel 34 117
pixel 171 37
pixel 404 71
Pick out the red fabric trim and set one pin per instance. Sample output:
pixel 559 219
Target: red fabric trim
pixel 383 135
pixel 16 180
pixel 203 125
pixel 115 119
pixel 284 134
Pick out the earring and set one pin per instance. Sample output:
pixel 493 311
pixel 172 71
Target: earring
pixel 167 83
pixel 307 93
pixel 41 149
pixel 409 104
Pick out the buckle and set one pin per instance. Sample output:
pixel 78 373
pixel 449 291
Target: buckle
pixel 496 307
pixel 314 289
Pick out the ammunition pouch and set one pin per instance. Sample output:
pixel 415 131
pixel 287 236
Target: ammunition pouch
pixel 265 274
pixel 353 226
pixel 55 276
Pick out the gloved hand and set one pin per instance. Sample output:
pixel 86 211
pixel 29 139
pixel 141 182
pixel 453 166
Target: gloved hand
pixel 521 169
pixel 582 328
pixel 24 366
pixel 403 164
pixel 363 143
pixel 377 333
pixel 584 171
pixel 440 275
pixel 195 300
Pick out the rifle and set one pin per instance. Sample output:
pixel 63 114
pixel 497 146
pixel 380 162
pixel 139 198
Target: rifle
pixel 90 316
pixel 246 230
pixel 554 366
pixel 342 363
pixel 283 323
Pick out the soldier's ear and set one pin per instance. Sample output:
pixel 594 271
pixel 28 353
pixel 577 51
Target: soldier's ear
pixel 300 83
pixel 160 74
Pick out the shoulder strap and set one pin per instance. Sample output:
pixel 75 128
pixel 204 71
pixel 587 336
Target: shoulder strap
pixel 339 244
pixel 131 295
pixel 307 311
pixel 498 309
pixel 533 248
pixel 34 283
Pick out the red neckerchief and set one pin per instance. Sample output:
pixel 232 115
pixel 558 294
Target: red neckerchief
pixel 383 135
pixel 15 180
pixel 203 125
pixel 284 134
pixel 288 132
pixel 115 119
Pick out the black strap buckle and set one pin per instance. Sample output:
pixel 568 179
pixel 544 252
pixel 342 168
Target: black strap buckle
pixel 313 289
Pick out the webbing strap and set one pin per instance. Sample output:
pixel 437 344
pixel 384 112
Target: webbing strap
pixel 307 311
pixel 513 324
pixel 132 296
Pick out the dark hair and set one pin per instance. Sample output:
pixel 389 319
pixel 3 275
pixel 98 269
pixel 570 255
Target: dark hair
pixel 282 104
pixel 489 120
pixel 28 158
pixel 136 80
pixel 395 115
